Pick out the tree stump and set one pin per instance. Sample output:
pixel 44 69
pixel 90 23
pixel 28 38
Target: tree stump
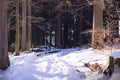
pixel 112 63
pixel 111 66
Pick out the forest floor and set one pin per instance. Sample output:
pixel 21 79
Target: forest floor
pixel 67 64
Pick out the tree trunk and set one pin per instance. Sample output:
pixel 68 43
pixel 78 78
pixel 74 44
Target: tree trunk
pixel 81 25
pixel 50 36
pixel 111 65
pixel 97 21
pixel 113 62
pixel 17 28
pixel 58 31
pixel 29 25
pixel 117 62
pixel 4 59
pixel 24 35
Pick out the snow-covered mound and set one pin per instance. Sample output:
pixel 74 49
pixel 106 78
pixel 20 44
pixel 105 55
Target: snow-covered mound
pixel 67 64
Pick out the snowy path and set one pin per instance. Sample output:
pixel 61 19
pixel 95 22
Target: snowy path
pixel 67 64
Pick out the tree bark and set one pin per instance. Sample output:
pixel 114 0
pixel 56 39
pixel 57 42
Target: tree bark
pixel 81 25
pixel 58 31
pixel 29 25
pixel 111 65
pixel 97 20
pixel 17 29
pixel 24 35
pixel 4 59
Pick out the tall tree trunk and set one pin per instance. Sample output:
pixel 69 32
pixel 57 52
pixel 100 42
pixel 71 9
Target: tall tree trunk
pixel 24 35
pixel 4 59
pixel 29 25
pixel 17 28
pixel 97 21
pixel 81 25
pixel 50 36
pixel 58 31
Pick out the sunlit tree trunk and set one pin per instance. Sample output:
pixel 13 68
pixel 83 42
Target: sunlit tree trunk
pixel 24 31
pixel 4 59
pixel 29 25
pixel 17 29
pixel 97 20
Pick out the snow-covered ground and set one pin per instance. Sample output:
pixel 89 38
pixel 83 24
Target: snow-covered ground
pixel 68 64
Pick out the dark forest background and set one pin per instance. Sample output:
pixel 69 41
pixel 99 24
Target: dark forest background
pixel 58 23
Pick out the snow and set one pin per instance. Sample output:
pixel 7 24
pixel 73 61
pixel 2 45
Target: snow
pixel 67 64
pixel 116 54
pixel 116 74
